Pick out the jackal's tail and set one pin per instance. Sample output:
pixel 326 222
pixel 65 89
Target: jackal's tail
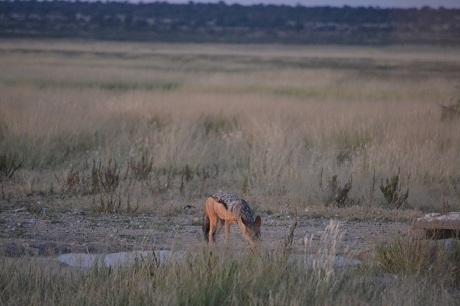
pixel 206 226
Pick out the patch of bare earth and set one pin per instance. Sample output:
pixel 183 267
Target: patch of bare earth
pixel 49 233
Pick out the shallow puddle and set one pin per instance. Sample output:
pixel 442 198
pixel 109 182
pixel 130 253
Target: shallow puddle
pixel 117 259
pixel 83 260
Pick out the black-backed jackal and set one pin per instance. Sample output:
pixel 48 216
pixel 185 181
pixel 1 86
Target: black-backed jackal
pixel 226 208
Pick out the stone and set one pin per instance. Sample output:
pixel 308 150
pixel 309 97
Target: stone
pixel 64 248
pixel 437 226
pixel 47 248
pixel 13 250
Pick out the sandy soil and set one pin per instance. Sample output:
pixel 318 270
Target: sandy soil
pixel 49 233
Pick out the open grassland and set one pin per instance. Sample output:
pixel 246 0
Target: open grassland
pixel 275 123
pixel 353 133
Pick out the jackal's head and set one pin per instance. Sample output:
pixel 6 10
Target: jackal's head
pixel 251 231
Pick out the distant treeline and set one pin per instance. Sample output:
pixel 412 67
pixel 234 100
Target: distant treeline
pixel 199 22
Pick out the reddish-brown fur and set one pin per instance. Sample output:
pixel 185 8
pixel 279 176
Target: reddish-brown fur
pixel 216 215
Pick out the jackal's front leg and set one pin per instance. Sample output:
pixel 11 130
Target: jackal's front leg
pixel 219 225
pixel 227 231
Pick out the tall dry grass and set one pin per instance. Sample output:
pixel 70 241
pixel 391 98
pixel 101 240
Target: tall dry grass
pixel 272 121
pixel 216 276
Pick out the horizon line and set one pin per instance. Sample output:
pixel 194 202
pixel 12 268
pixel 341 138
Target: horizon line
pixel 230 3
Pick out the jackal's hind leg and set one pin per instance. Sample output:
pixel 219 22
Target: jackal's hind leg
pixel 214 228
pixel 212 225
pixel 206 226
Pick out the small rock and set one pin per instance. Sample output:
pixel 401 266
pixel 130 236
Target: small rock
pixel 64 248
pixel 79 212
pixel 451 244
pixel 13 250
pixel 47 248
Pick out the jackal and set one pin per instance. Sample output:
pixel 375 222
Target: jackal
pixel 228 208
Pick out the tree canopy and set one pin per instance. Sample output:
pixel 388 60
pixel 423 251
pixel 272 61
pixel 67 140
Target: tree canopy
pixel 219 22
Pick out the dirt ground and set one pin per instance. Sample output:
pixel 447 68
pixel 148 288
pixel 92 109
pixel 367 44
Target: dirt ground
pixel 49 233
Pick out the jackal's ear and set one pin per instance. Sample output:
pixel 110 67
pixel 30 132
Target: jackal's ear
pixel 258 221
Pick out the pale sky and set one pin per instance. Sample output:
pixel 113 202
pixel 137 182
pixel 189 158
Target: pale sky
pixel 340 3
